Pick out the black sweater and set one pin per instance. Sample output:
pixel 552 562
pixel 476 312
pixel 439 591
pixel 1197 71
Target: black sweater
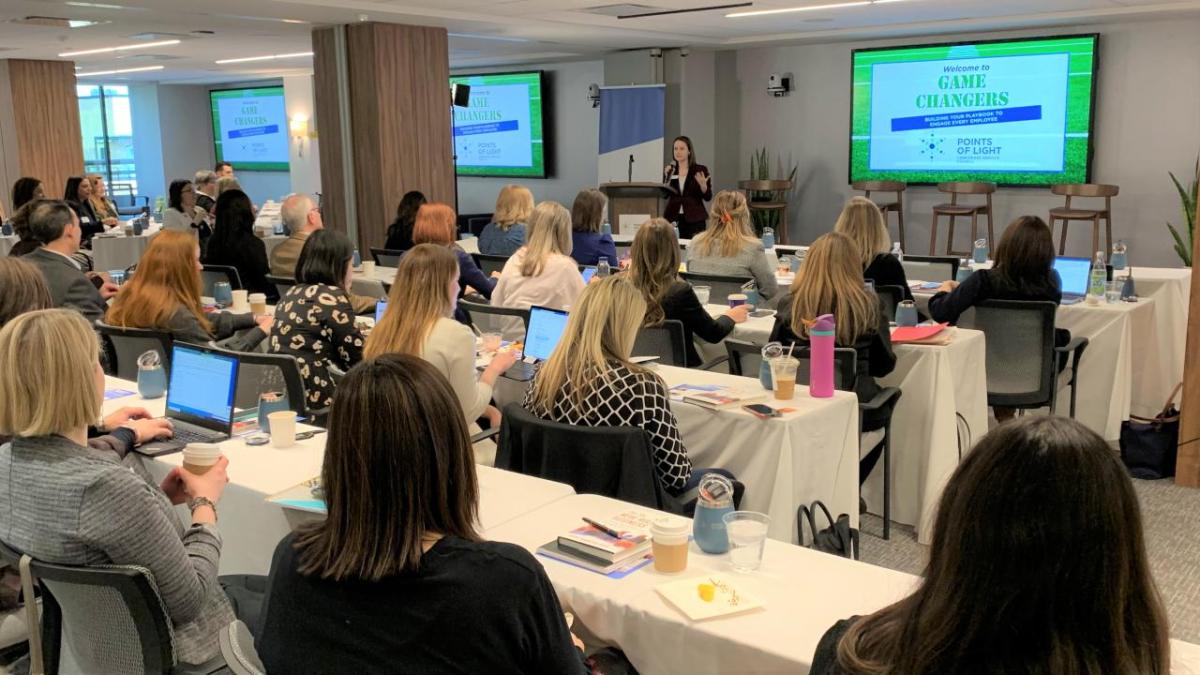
pixel 886 270
pixel 990 285
pixel 681 304
pixel 248 254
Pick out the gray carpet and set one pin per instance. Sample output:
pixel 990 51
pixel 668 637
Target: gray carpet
pixel 1172 519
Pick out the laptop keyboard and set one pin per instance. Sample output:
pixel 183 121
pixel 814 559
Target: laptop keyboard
pixel 184 435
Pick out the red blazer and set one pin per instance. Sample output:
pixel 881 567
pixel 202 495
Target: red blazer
pixel 692 201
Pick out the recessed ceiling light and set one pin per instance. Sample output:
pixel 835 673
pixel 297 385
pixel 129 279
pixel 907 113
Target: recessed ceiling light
pixel 96 5
pixel 122 48
pixel 269 57
pixel 119 71
pixel 808 8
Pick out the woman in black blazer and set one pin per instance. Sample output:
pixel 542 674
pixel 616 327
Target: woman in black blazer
pixel 694 185
pixel 78 195
pixel 862 221
pixel 233 243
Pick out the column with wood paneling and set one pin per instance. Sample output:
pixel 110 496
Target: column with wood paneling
pixel 1187 466
pixel 383 106
pixel 39 125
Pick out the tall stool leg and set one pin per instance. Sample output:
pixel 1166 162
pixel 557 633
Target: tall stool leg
pixel 974 232
pixel 933 235
pixel 1095 235
pixel 1062 240
pixel 991 237
pixel 950 236
pixel 1108 230
pixel 900 218
pixel 783 227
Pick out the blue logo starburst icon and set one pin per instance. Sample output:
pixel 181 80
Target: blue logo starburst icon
pixel 931 146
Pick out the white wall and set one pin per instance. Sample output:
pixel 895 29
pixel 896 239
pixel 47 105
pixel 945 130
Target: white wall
pixel 147 141
pixel 575 125
pixel 304 164
pixel 1147 123
pixel 187 137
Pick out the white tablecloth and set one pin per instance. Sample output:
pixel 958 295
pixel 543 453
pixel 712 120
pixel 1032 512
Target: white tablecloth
pixel 372 285
pixel 805 455
pixel 1153 379
pixel 120 252
pixel 6 244
pixel 252 526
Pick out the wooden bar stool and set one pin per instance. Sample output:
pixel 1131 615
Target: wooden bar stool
pixel 897 207
pixel 955 210
pixel 1067 213
pixel 779 190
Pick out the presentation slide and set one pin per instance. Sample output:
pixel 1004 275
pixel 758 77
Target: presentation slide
pixel 1016 112
pixel 250 128
pixel 500 132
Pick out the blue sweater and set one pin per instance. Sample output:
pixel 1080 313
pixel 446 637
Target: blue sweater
pixel 495 241
pixel 588 247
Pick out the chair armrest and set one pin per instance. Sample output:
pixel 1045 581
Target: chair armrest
pixel 714 363
pixel 887 397
pixel 484 435
pixel 1076 344
pixel 237 648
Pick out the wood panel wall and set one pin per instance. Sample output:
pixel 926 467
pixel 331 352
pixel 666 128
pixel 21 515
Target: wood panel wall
pixel 1187 466
pixel 399 115
pixel 328 115
pixel 45 116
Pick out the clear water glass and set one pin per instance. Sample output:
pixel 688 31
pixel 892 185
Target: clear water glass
pixel 1112 291
pixel 747 532
pixel 117 276
pixel 702 293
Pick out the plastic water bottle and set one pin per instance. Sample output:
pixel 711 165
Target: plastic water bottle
pixel 1098 280
pixel 768 238
pixel 602 268
pixel 357 260
pixel 6 229
pixel 980 252
pixel 896 252
pixel 714 500
pixel 821 342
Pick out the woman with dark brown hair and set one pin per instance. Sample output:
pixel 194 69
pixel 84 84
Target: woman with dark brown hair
pixel 1037 565
pixel 589 243
pixel 397 579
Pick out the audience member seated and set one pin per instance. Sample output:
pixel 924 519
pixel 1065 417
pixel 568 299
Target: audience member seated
pixel 654 269
pixel 20 224
pixel 227 183
pixel 223 170
pixel 418 322
pixel 233 243
pixel 590 371
pixel 862 221
pixel 56 227
pixel 302 218
pixel 206 192
pixel 314 321
pixel 397 578
pixel 400 232
pixel 26 190
pixel 542 272
pixel 67 503
pixel 102 206
pixel 729 248
pixel 506 233
pixel 436 224
pixel 589 244
pixel 183 215
pixel 1038 565
pixel 78 195
pixel 165 295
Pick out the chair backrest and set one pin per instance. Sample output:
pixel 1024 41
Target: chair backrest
pixel 211 274
pixel 489 263
pixel 1019 348
pixel 721 286
pixel 386 257
pixel 107 619
pixel 665 341
pixel 476 223
pixel 611 461
pixel 845 366
pixel 879 185
pixel 1085 190
pixel 929 267
pixel 745 358
pixel 491 319
pixel 282 284
pixel 776 188
pixel 259 373
pixel 130 343
pixel 890 296
pixel 967 188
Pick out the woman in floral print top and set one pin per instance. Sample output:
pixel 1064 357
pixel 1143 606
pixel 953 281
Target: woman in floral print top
pixel 314 321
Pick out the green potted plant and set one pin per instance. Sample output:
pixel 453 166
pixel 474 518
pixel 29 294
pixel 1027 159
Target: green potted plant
pixel 760 169
pixel 1183 240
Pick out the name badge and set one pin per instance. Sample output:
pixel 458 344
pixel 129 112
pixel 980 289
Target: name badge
pixel 85 219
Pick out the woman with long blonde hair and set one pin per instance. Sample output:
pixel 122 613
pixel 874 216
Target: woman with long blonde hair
pixel 506 233
pixel 419 322
pixel 729 248
pixel 104 207
pixel 863 222
pixel 542 272
pixel 654 270
pixel 164 295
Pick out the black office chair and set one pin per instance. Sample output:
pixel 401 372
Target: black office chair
pixel 282 284
pixel 127 203
pixel 930 267
pixel 890 297
pixel 211 274
pixel 489 263
pixel 111 619
pixel 491 319
pixel 721 287
pixel 744 358
pixel 260 373
pixel 1021 359
pixel 124 345
pixel 666 341
pixel 386 257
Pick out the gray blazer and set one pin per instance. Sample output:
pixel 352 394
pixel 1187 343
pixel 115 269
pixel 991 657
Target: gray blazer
pixel 69 287
pixel 186 328
pixel 74 505
pixel 750 261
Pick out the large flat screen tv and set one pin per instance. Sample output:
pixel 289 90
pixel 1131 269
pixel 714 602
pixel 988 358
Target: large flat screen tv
pixel 501 132
pixel 250 128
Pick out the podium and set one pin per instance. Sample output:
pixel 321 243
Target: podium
pixel 637 198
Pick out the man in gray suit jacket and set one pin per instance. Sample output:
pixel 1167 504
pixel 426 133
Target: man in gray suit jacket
pixel 56 226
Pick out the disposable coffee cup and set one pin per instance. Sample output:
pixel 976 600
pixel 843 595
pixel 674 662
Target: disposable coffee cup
pixel 368 267
pixel 283 428
pixel 669 543
pixel 198 458
pixel 737 299
pixel 258 303
pixel 241 300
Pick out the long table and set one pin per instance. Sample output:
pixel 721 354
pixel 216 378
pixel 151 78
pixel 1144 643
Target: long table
pixel 251 526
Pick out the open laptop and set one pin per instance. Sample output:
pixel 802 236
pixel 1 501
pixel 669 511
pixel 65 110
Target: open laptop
pixel 199 398
pixel 1073 275
pixel 546 327
pixel 380 308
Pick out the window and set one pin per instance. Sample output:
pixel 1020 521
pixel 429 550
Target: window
pixel 107 128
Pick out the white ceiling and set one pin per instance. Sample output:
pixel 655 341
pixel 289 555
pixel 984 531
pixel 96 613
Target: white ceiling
pixel 496 32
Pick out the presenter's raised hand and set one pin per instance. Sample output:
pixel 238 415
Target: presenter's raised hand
pixel 667 170
pixel 702 181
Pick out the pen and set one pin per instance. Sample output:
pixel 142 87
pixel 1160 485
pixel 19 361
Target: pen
pixel 603 528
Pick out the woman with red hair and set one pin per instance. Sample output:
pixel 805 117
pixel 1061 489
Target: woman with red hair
pixel 436 224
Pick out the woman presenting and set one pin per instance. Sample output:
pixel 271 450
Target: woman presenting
pixel 691 180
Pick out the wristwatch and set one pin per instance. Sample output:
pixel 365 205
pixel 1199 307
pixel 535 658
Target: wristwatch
pixel 196 502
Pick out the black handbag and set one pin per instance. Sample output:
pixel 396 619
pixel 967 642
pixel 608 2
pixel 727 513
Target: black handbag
pixel 1149 445
pixel 838 538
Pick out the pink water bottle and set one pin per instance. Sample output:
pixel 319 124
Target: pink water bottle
pixel 820 374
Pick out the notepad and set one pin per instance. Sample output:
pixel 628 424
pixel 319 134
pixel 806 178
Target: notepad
pixel 927 333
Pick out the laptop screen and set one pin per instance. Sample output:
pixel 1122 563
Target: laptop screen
pixel 380 308
pixel 546 326
pixel 202 385
pixel 1073 272
pixel 588 272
